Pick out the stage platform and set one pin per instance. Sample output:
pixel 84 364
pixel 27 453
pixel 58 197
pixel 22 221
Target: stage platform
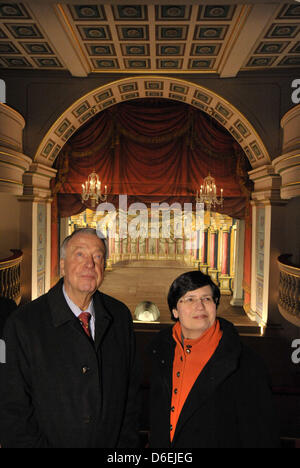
pixel 137 281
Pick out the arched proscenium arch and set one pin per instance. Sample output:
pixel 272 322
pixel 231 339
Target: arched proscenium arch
pixel 153 87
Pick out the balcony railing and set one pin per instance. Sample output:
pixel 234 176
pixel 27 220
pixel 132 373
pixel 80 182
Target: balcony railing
pixel 10 285
pixel 289 290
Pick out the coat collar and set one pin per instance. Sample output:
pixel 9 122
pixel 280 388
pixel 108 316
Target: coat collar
pixel 223 363
pixel 61 313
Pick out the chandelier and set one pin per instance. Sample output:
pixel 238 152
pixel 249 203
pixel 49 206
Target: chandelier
pixel 92 189
pixel 208 193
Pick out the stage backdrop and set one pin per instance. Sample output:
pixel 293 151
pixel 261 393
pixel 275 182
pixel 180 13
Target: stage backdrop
pixel 152 151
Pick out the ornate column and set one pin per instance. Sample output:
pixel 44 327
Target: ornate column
pixel 35 231
pixel 213 255
pixel 238 264
pixel 204 250
pixel 109 262
pixel 225 252
pixel 267 239
pixel 224 276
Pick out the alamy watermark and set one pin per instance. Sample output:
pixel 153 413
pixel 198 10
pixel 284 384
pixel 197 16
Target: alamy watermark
pixel 161 221
pixel 2 352
pixel 296 354
pixel 2 91
pixel 296 93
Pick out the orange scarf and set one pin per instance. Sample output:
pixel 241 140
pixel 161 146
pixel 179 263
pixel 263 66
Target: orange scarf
pixel 189 360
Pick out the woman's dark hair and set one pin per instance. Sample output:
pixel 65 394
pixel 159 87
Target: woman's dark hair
pixel 189 282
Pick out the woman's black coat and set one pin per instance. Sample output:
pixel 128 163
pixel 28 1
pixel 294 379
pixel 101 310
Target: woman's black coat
pixel 229 405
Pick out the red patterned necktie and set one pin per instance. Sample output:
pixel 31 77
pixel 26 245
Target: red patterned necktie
pixel 84 319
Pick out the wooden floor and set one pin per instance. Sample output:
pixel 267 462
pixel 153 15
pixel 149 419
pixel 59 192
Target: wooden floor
pixel 135 282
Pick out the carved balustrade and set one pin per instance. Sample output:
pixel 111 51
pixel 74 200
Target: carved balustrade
pixel 289 290
pixel 10 285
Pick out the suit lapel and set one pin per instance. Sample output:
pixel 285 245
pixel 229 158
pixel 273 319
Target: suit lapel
pixel 103 319
pixel 61 313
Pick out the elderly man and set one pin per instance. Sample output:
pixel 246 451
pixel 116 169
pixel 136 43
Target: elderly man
pixel 71 378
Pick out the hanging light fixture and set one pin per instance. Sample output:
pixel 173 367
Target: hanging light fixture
pixel 208 193
pixel 92 189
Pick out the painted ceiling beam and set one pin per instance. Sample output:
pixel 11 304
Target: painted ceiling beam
pixel 253 20
pixel 51 19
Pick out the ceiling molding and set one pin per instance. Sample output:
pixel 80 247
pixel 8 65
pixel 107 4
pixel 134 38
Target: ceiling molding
pixel 221 38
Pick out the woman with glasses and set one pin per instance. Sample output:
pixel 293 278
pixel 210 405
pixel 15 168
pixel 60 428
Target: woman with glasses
pixel 207 389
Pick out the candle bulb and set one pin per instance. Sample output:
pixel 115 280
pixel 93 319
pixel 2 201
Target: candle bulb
pixel 105 189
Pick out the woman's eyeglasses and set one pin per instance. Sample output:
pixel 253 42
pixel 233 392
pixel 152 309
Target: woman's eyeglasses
pixel 192 300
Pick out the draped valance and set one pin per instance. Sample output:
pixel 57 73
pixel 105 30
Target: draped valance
pixel 153 151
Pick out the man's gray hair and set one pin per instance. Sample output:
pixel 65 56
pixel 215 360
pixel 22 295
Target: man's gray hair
pixel 87 230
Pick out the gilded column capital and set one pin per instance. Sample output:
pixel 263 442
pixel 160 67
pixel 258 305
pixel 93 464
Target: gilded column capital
pixel 37 180
pixel 267 184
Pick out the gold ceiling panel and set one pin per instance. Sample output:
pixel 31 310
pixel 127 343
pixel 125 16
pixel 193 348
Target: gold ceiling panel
pixel 192 38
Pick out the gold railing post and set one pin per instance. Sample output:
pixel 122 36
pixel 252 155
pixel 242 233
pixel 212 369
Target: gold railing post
pixel 289 290
pixel 10 284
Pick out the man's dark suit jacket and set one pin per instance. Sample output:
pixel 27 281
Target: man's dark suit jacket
pixel 61 388
pixel 6 307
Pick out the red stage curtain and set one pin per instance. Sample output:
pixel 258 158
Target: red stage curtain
pixel 164 151
pixel 153 151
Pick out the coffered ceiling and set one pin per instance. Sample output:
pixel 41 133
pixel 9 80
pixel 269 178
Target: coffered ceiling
pixel 150 37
